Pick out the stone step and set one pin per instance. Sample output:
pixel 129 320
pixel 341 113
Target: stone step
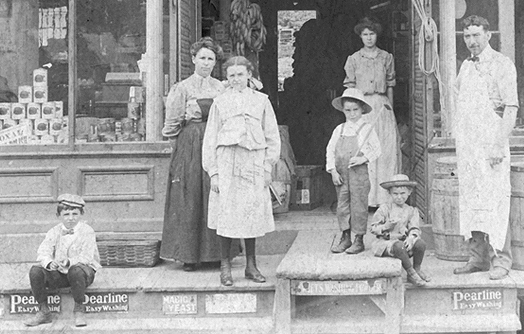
pixel 216 325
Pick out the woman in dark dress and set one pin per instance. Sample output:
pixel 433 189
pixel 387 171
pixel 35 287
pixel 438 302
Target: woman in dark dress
pixel 185 236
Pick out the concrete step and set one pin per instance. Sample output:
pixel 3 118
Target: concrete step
pixel 160 299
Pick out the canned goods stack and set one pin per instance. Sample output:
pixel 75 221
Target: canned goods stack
pixel 41 121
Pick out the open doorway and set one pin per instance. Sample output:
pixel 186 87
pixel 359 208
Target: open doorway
pixel 321 46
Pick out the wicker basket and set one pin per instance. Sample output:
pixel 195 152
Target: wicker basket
pixel 128 252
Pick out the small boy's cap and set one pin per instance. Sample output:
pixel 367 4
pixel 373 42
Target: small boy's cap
pixel 353 93
pixel 398 180
pixel 71 200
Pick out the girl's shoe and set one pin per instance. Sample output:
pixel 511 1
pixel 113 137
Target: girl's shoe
pixel 225 273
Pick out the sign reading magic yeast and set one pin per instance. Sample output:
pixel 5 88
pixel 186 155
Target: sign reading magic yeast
pixel 23 303
pixel 179 304
pixel 106 302
pixel 477 299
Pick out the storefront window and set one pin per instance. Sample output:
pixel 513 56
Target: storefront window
pixel 111 39
pixel 106 88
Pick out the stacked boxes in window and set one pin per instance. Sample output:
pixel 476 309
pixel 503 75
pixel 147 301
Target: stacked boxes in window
pixel 307 189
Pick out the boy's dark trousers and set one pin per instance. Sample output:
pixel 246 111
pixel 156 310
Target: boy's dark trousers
pixel 481 254
pixel 79 277
pixel 352 198
pixel 417 252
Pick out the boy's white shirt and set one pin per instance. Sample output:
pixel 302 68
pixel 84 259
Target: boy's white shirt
pixel 371 149
pixel 79 247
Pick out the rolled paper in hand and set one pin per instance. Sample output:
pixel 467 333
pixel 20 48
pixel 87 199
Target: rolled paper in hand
pixel 205 105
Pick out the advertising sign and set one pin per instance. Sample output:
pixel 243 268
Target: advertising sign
pixel 179 304
pixel 23 303
pixel 106 302
pixel 477 299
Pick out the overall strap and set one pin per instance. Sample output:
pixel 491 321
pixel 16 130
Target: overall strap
pixel 342 130
pixel 360 128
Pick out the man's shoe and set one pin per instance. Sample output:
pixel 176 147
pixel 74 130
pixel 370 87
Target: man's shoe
pixel 358 245
pixel 39 318
pixel 80 320
pixel 467 269
pixel 189 267
pixel 344 243
pixel 498 273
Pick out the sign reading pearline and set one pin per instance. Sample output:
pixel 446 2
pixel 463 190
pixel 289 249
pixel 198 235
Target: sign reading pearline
pixel 24 303
pixel 106 302
pixel 477 299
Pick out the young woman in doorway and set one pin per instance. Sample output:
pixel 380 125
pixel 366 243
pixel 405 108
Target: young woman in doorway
pixel 372 70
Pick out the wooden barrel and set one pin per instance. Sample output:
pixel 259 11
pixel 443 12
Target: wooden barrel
pixel 516 214
pixel 283 172
pixel 449 244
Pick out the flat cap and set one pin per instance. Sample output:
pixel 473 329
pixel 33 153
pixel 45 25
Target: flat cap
pixel 71 200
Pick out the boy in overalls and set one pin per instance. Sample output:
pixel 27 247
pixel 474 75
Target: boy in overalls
pixel 352 146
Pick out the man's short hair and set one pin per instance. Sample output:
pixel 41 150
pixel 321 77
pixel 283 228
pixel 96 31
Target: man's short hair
pixel 475 20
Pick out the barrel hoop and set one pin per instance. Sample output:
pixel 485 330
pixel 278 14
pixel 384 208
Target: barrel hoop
pixel 517 243
pixel 517 193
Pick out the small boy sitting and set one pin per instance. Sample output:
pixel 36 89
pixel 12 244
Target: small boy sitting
pixel 68 257
pixel 396 225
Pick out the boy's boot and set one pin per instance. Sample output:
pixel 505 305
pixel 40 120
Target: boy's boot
pixel 414 278
pixel 344 243
pixel 43 316
pixel 422 274
pixel 252 271
pixel 225 272
pixel 358 245
pixel 79 313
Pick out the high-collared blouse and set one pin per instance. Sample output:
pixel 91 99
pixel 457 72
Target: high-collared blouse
pixel 78 247
pixel 499 73
pixel 245 119
pixel 181 102
pixel 370 74
pixel 371 148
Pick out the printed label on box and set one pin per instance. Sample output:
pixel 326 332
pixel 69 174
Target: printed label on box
pixel 24 303
pixel 17 134
pixel 106 302
pixel 338 288
pixel 231 303
pixel 304 196
pixel 179 304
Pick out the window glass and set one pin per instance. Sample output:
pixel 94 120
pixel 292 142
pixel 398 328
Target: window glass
pixel 111 40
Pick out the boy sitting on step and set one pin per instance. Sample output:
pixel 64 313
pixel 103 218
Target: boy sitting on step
pixel 396 225
pixel 68 257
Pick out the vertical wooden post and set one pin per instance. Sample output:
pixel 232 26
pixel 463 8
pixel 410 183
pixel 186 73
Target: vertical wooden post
pixel 282 307
pixel 154 74
pixel 394 305
pixel 448 64
pixel 507 28
pixel 225 7
pixel 173 42
pixel 73 86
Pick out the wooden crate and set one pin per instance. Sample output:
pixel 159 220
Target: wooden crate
pixel 306 190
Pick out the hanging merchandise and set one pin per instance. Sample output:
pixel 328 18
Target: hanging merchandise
pixel 428 38
pixel 247 27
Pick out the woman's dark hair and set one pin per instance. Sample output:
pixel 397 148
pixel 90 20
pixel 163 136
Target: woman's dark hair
pixel 475 20
pixel 63 207
pixel 239 61
pixel 350 99
pixel 208 43
pixel 369 24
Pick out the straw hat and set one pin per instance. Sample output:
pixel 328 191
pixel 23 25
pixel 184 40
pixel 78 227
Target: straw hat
pixel 399 180
pixel 74 201
pixel 353 93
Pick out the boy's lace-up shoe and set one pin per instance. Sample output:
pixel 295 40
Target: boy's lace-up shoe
pixel 39 318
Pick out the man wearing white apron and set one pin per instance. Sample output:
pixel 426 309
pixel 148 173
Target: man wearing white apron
pixel 487 105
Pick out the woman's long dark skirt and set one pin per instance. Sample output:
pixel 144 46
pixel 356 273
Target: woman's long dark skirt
pixel 185 236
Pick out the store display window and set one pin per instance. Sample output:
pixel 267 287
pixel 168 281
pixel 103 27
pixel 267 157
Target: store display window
pixel 94 78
